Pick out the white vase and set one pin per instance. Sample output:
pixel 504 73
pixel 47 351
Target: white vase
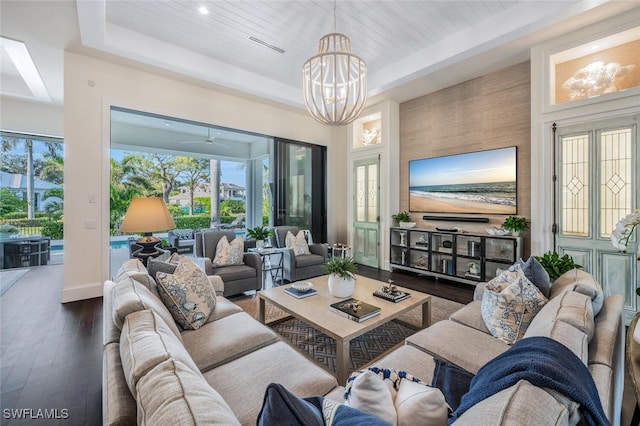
pixel 259 244
pixel 341 287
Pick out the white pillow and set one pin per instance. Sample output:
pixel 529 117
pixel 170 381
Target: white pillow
pixel 371 394
pixel 297 243
pixel 228 254
pixel 417 403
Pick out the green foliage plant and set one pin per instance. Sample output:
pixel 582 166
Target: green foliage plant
pixel 402 217
pixel 196 221
pixel 260 233
pixel 8 229
pixel 53 230
pixel 342 267
pixel 515 224
pixel 556 265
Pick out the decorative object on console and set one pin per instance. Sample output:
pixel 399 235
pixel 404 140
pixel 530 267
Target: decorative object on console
pixel 515 224
pixel 473 268
pixel 404 220
pixel 341 273
pixel 370 136
pixel 147 215
pixel 497 231
pixel 335 81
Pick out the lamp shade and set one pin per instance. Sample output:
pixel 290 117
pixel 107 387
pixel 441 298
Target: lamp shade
pixel 147 214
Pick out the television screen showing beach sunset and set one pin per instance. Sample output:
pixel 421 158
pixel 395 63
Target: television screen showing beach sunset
pixel 475 182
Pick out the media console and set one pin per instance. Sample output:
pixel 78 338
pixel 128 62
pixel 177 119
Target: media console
pixel 452 255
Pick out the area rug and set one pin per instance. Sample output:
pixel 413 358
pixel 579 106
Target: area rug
pixel 364 349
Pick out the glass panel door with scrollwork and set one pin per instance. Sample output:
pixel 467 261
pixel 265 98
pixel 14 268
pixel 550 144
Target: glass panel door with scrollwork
pixel 366 245
pixel 598 185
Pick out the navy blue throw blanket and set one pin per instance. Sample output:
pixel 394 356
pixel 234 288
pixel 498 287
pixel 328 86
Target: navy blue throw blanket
pixel 543 362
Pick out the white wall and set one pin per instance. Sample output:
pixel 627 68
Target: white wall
pixel 34 118
pixel 91 87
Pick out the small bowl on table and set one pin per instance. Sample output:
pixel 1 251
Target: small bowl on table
pixel 302 286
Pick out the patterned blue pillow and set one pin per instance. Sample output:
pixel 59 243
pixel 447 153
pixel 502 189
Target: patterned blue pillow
pixel 509 304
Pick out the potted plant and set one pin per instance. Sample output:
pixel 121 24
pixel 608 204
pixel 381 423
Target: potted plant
pixel 260 233
pixel 404 220
pixel 556 265
pixel 515 224
pixel 341 273
pixel 7 229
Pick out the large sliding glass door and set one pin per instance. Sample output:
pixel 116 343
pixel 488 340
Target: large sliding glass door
pixel 300 187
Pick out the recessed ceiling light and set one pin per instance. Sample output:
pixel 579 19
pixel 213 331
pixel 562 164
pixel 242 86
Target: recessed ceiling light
pixel 203 10
pixel 19 55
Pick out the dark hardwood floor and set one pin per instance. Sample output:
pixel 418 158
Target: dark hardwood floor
pixel 51 353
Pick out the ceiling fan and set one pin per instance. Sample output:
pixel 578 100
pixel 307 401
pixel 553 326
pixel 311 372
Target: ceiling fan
pixel 209 140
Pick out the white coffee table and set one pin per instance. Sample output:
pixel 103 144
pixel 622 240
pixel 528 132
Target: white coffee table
pixel 315 311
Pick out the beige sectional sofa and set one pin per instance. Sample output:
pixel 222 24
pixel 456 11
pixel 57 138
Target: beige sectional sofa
pixel 156 373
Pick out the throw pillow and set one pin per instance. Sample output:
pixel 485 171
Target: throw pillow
pixel 298 243
pixel 536 273
pixel 417 401
pixel 228 254
pixel 509 303
pixel 371 394
pixel 188 294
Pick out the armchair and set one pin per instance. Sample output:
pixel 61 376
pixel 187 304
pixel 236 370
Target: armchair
pixel 237 278
pixel 182 239
pixel 296 268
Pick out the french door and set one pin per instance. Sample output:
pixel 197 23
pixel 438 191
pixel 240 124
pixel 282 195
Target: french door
pixel 366 221
pixel 300 187
pixel 598 180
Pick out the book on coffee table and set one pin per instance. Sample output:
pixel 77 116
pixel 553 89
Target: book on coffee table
pixel 300 294
pixel 355 309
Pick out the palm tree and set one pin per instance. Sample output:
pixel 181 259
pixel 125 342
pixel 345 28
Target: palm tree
pixel 9 143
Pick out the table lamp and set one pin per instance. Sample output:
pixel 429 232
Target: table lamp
pixel 147 215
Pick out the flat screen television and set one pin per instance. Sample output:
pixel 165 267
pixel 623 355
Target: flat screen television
pixel 474 182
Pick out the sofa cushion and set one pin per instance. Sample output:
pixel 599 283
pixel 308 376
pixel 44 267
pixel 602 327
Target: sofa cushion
pixel 305 260
pixel 188 294
pixel 571 337
pixel 131 296
pixel 471 316
pixel 224 308
pixel 569 307
pixel 172 393
pixel 519 405
pixel 145 342
pixel 603 376
pixel 226 339
pixel 244 392
pixel 445 338
pixel 603 346
pixel 229 253
pixel 582 282
pixel 297 242
pixel 133 268
pixel 110 332
pixel 536 273
pixel 119 406
pixel 235 272
pixel 509 304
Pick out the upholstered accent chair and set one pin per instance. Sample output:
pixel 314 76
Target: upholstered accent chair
pixel 237 278
pixel 182 239
pixel 303 266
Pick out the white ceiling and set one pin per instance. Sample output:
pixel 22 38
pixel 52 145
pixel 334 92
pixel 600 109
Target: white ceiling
pixel 411 47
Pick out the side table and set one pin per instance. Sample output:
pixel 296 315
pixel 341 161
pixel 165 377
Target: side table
pixel 272 263
pixel 340 250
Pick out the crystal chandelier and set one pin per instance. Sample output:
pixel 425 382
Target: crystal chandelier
pixel 335 81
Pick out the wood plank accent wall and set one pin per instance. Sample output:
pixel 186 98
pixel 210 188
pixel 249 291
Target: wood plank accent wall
pixel 492 111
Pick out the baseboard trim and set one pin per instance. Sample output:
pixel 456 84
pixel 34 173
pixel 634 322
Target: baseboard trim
pixel 87 291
